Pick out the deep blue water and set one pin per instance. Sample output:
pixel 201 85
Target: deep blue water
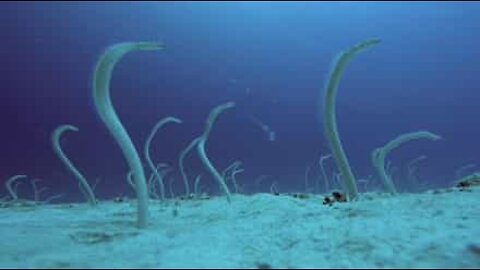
pixel 272 59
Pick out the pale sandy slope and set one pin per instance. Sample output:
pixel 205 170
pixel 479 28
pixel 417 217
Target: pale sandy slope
pixel 261 231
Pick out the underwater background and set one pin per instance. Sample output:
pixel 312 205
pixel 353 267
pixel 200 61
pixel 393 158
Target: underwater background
pixel 271 58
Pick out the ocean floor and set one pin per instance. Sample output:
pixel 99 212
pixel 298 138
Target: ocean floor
pixel 435 229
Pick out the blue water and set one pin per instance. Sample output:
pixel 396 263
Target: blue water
pixel 272 59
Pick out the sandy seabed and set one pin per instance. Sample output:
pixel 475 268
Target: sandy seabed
pixel 435 229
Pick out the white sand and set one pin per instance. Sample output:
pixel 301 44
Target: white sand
pixel 261 231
